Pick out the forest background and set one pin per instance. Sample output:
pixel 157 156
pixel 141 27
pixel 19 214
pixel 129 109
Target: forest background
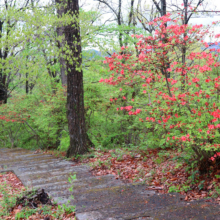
pixel 150 77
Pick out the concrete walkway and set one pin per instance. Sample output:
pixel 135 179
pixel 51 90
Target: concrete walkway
pixel 100 198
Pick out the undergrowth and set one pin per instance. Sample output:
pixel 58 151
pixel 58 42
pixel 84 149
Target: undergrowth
pixel 13 204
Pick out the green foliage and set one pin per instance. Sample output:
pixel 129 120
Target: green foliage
pixel 7 202
pixel 38 119
pixel 106 126
pixel 34 120
pixel 173 189
pixel 179 111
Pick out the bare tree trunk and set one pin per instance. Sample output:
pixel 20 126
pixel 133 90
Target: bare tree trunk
pixel 75 99
pixel 163 8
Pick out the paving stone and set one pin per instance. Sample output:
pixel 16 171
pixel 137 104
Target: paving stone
pixel 195 210
pixel 62 200
pixel 82 186
pixel 29 161
pixel 61 185
pixel 43 166
pixel 43 181
pixel 43 173
pixel 94 215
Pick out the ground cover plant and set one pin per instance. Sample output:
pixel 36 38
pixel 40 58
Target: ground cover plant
pixel 17 203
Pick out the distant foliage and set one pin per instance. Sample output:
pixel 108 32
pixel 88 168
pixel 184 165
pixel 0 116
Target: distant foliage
pixel 34 120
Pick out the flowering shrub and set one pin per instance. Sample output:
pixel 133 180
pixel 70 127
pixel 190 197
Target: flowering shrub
pixel 171 89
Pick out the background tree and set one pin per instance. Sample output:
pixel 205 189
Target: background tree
pixel 75 95
pixel 7 24
pixel 120 19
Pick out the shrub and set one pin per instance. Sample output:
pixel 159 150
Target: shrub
pixel 174 99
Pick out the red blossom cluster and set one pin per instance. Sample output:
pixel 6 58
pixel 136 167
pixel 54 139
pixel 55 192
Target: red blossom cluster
pixel 12 117
pixel 182 107
pixel 215 156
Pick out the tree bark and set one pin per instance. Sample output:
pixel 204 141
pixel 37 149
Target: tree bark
pixel 120 36
pixel 3 89
pixel 75 99
pixel 163 8
pixel 27 84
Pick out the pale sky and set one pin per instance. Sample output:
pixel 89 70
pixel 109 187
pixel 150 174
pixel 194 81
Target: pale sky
pixel 205 20
pixel 211 5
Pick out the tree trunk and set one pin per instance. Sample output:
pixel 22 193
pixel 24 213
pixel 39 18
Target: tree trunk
pixel 120 36
pixel 75 99
pixel 3 89
pixel 163 8
pixel 3 95
pixel 27 84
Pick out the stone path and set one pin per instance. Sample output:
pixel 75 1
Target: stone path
pixel 100 198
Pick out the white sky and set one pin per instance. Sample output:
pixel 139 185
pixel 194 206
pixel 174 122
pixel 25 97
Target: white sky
pixel 205 20
pixel 211 5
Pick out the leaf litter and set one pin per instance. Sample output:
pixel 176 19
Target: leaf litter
pixel 164 171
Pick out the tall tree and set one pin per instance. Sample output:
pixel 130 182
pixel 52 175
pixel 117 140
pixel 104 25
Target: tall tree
pixel 75 99
pixel 7 25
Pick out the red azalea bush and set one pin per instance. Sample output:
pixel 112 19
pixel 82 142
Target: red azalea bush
pixel 171 89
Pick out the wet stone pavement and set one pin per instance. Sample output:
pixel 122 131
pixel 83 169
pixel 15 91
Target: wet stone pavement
pixel 103 197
